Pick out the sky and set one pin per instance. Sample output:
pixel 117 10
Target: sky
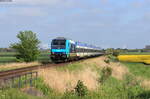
pixel 104 23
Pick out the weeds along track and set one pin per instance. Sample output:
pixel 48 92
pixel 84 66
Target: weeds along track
pixel 20 71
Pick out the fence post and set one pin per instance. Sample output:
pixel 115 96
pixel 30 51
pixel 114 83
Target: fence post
pixel 13 86
pixel 25 79
pixel 36 75
pixel 19 84
pixel 18 80
pixel 31 80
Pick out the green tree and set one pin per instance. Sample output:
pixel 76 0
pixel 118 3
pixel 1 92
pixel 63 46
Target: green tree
pixel 27 47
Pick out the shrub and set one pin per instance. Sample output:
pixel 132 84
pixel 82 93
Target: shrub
pixel 68 94
pixel 27 48
pixel 107 61
pixel 111 51
pixel 106 73
pixel 115 53
pixel 81 89
pixel 113 58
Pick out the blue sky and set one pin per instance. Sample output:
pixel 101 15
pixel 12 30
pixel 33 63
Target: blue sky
pixel 105 23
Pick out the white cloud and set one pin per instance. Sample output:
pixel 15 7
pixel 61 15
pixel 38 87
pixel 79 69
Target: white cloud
pixel 28 12
pixel 36 2
pixel 104 1
pixel 47 2
pixel 23 11
pixel 44 46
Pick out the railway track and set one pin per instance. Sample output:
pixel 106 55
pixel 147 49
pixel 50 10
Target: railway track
pixel 19 71
pixel 13 78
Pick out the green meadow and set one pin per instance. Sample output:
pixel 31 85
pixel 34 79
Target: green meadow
pixel 9 57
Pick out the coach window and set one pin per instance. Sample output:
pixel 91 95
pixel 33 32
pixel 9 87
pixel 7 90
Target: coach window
pixel 80 50
pixel 72 48
pixel 77 49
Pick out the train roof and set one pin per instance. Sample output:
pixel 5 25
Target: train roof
pixel 61 38
pixel 80 44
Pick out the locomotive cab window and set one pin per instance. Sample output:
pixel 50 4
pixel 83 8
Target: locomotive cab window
pixel 58 44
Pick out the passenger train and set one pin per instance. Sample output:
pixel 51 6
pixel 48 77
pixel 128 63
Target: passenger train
pixel 63 49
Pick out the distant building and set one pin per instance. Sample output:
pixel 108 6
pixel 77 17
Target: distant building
pixel 147 47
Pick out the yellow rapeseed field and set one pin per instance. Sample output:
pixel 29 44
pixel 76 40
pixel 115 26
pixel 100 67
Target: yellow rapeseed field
pixel 135 58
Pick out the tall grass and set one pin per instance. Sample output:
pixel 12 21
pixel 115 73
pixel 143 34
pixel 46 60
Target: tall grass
pixel 139 69
pixel 15 94
pixel 77 66
pixel 111 89
pixel 66 80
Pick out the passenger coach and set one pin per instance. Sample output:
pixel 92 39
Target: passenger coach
pixel 63 49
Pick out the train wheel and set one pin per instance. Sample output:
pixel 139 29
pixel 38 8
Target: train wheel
pixel 66 60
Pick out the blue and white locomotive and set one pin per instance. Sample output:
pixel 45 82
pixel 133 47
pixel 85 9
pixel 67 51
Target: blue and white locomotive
pixel 63 49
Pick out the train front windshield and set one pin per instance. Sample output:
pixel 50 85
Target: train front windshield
pixel 58 44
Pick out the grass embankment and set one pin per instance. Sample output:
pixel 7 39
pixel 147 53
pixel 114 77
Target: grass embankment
pixel 59 82
pixel 15 94
pixel 141 71
pixel 121 85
